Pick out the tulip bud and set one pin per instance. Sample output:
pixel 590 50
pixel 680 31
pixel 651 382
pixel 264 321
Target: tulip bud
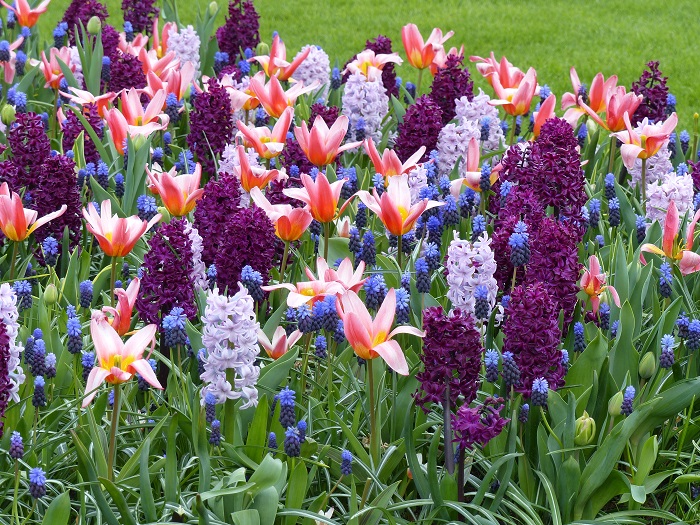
pixel 94 25
pixel 262 49
pixel 165 213
pixel 615 404
pixel 647 366
pixel 213 8
pixel 592 126
pixel 585 430
pixel 8 114
pixel 51 294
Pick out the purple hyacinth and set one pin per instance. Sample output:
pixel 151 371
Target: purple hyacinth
pixel 16 444
pixel 479 425
pixel 652 86
pixel 215 437
pixel 538 394
pixel 37 483
pixel 292 443
pixel 346 463
pixel 491 359
pixel 450 83
pixel 667 357
pixel 451 356
pixel 241 29
pixel 420 127
pixel 140 13
pixel 125 72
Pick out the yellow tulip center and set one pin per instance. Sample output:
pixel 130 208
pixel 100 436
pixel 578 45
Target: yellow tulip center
pixel 403 212
pixel 379 338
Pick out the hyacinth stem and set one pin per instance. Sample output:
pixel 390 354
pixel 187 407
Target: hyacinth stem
pixel 515 275
pixel 374 435
pixel 549 428
pixel 112 280
pixel 447 417
pixel 460 475
pixel 326 239
pixel 644 185
pixel 305 364
pixel 15 514
pixel 13 260
pixel 230 409
pixel 418 82
pixel 283 268
pixel 113 432
pixel 330 394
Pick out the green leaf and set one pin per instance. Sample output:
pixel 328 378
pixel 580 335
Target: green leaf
pixel 687 478
pixel 624 359
pixel 266 502
pixel 119 501
pixel 580 375
pixel 551 498
pixel 257 433
pixel 266 475
pixel 246 517
pixel 147 503
pixel 646 460
pixel 296 491
pixel 58 512
pixel 172 480
pixel 639 493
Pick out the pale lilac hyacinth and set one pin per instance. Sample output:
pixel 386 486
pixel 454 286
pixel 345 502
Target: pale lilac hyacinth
pixel 185 44
pixel 658 165
pixel 672 187
pixel 417 180
pixel 199 269
pixel 315 68
pixel 230 336
pixel 480 112
pixel 453 143
pixel 9 316
pixel 468 266
pixel 368 101
pixel 75 60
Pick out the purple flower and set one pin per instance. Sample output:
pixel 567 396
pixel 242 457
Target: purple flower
pixel 451 356
pixel 141 14
pixel 652 86
pixel 479 425
pixel 451 83
pixel 532 334
pixel 72 127
pixel 5 382
pixel 420 127
pixel 126 71
pixel 80 11
pixel 211 129
pixel 241 29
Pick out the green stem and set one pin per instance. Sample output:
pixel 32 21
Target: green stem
pixel 14 259
pixel 374 434
pixel 304 365
pixel 230 409
pixel 511 140
pixel 113 432
pixel 330 393
pixel 418 82
pixel 546 424
pixel 283 268
pixel 399 254
pixel 644 185
pixel 327 237
pixel 613 145
pixel 447 417
pixel 15 514
pixel 112 280
pixel 515 274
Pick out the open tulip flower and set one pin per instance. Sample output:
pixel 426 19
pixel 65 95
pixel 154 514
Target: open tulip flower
pixel 593 283
pixel 321 145
pixel 598 96
pixel 267 143
pixel 134 112
pixel 373 338
pixel 53 74
pixel 126 299
pixel 117 236
pixel 252 177
pixel 321 196
pixel 290 223
pixel 280 344
pixel 275 64
pixel 25 15
pixel 545 112
pixel 275 99
pixel 16 222
pixel 176 81
pixel 515 100
pixel 509 76
pixel 645 140
pixel 179 193
pixel 345 275
pixel 371 64
pixel 472 172
pixel 307 291
pixel 160 39
pixel 83 98
pixel 618 103
pixel 394 207
pixel 440 60
pixel 675 249
pixel 150 61
pixel 117 361
pixel 120 129
pixel 389 163
pixel 421 54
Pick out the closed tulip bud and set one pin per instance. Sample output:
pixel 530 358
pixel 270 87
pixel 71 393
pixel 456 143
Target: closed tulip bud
pixel 8 114
pixel 615 404
pixel 213 8
pixel 51 294
pixel 647 366
pixel 262 49
pixel 585 430
pixel 165 213
pixel 94 25
pixel 592 126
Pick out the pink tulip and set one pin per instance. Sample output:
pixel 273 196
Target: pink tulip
pixel 53 74
pixel 389 163
pixel 276 65
pixel 515 100
pixel 160 65
pixel 688 260
pixel 9 66
pixel 290 223
pixel 544 114
pixel 617 104
pixel 421 54
pixel 160 43
pixel 598 96
pixel 371 65
pixel 16 222
pixel 472 171
pixel 307 291
pixel 136 115
pixel 251 177
pixel 440 60
pixel 117 361
pixel 593 283
pixel 280 344
pixel 176 81
pixel 126 300
pixel 25 15
pixel 646 140
pixel 275 99
pixel 394 207
pixel 83 98
pixel 116 236
pixel 321 145
pixel 509 76
pixel 348 278
pixel 120 129
pixel 267 143
pixel 179 193
pixel 373 338
pixel 321 196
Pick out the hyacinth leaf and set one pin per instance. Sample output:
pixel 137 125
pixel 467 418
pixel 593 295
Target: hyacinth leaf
pixel 147 502
pixel 257 433
pixel 640 292
pixel 93 135
pixel 171 478
pixel 490 473
pixel 552 501
pixel 621 277
pixel 419 478
pixel 119 500
pixel 134 460
pixel 266 475
pixel 372 513
pixel 246 517
pixel 296 491
pixel 623 356
pixel 587 364
pixel 506 470
pixel 687 478
pixel 58 512
pixel 433 479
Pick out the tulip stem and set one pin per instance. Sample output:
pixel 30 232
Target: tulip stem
pixel 511 141
pixel 611 162
pixel 285 256
pixel 399 254
pixel 113 432
pixel 15 514
pixel 14 259
pixel 418 82
pixel 374 435
pixel 327 237
pixel 644 185
pixel 112 280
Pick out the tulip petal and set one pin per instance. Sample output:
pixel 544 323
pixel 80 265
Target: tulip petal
pixel 391 352
pixel 143 368
pixel 96 377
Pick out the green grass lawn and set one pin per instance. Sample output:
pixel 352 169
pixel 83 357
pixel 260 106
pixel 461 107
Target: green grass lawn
pixel 612 36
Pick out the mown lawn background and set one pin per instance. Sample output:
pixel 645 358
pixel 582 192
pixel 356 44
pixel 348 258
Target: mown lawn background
pixel 612 36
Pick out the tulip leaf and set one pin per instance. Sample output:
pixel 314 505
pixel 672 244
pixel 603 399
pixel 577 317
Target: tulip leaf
pixel 58 513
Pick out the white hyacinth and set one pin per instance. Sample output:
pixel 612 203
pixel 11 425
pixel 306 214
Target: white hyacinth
pixel 368 101
pixel 315 67
pixel 480 112
pixel 658 165
pixel 199 270
pixel 417 180
pixel 453 143
pixel 672 187
pixel 470 265
pixel 75 60
pixel 185 44
pixel 9 316
pixel 230 336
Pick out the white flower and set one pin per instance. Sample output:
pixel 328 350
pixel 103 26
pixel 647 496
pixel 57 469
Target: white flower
pixel 672 187
pixel 470 265
pixel 368 101
pixel 453 143
pixel 482 114
pixel 185 44
pixel 9 316
pixel 230 336
pixel 417 180
pixel 75 60
pixel 658 165
pixel 199 270
pixel 316 67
